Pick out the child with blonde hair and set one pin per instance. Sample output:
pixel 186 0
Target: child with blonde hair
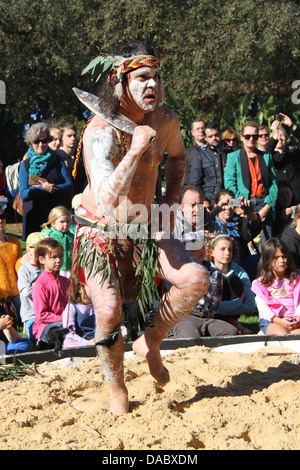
pixel 237 299
pixel 56 138
pixel 59 227
pixel 27 275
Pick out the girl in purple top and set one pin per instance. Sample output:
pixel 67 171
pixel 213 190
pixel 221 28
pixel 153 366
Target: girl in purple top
pixel 277 290
pixel 79 316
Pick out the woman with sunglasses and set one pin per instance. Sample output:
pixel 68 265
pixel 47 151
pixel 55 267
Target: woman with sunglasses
pixel 250 172
pixel 231 138
pixel 43 179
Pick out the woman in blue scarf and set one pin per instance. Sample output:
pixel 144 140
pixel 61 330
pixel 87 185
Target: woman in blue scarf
pixel 43 179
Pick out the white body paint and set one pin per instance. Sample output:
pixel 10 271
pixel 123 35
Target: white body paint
pixel 143 86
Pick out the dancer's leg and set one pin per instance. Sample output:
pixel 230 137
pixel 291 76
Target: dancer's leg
pixel 190 281
pixel 107 304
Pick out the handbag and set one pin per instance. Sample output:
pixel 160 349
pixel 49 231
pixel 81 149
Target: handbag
pixel 34 180
pixel 18 204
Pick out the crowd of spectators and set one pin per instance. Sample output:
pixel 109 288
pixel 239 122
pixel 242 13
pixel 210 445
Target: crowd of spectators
pixel 35 284
pixel 245 187
pixel 239 209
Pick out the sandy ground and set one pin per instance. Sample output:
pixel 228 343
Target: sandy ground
pixel 214 400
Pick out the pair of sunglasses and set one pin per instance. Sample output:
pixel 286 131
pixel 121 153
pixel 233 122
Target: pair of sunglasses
pixel 2 216
pixel 42 141
pixel 248 136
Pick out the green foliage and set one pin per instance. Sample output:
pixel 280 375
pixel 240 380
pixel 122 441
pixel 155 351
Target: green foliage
pixel 18 370
pixel 101 65
pixel 217 58
pixel 251 322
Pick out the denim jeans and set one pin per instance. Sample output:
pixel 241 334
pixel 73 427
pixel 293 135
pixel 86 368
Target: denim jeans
pixel 263 325
pixel 45 335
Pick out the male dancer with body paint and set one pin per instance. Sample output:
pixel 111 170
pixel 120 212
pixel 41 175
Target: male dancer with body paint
pixel 119 180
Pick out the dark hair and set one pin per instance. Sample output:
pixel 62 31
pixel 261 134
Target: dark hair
pixel 135 48
pixel 265 263
pixel 212 125
pixel 73 294
pixel 45 247
pixel 284 184
pixel 67 125
pixel 223 192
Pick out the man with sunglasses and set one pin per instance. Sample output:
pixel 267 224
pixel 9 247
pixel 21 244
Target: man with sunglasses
pixel 249 172
pixel 263 138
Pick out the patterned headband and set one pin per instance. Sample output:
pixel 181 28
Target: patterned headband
pixel 116 66
pixel 137 62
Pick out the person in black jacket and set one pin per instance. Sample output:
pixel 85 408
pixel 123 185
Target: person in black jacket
pixel 291 237
pixel 199 143
pixel 286 160
pixel 284 208
pixel 207 171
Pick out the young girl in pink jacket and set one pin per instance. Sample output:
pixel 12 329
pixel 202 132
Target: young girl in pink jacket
pixel 277 290
pixel 49 292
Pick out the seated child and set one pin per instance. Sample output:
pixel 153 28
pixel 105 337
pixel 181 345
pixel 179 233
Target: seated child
pixel 277 290
pixel 50 289
pixel 59 227
pixel 79 316
pixel 28 273
pixel 237 298
pixel 200 321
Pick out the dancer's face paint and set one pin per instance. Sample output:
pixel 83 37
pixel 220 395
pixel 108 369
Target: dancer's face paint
pixel 142 87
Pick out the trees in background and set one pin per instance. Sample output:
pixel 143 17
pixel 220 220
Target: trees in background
pixel 220 60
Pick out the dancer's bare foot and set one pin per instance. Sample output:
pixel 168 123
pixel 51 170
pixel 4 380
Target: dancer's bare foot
pixel 152 354
pixel 119 404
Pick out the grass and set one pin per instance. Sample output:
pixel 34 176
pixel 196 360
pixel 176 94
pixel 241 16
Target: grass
pixel 15 229
pixel 250 322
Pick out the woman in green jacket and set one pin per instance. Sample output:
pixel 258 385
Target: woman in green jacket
pixel 250 173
